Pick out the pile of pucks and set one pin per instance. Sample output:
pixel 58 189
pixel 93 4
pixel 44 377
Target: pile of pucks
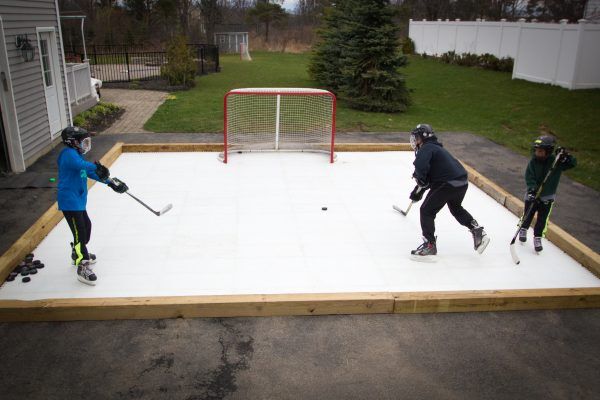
pixel 26 268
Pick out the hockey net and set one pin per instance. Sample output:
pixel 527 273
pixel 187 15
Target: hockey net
pixel 275 119
pixel 244 53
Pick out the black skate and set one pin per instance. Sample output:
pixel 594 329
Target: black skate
pixel 92 259
pixel 427 252
pixel 522 235
pixel 537 244
pixel 85 273
pixel 480 238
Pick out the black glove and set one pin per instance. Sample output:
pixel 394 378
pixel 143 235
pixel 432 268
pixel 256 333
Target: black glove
pixel 417 193
pixel 102 172
pixel 118 185
pixel 531 195
pixel 563 156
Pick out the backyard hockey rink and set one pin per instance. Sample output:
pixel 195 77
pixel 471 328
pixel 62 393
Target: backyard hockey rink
pixel 256 226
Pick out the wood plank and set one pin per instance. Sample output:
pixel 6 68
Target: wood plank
pixel 366 147
pixel 574 248
pixel 42 227
pixel 170 147
pixel 496 300
pixel 485 184
pixel 196 306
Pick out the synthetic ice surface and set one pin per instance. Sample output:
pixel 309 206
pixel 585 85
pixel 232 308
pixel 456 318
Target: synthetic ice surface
pixel 255 226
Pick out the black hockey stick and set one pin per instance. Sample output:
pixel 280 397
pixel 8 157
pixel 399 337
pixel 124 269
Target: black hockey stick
pixel 117 181
pixel 513 251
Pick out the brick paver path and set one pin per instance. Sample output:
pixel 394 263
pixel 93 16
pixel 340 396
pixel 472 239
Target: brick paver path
pixel 139 106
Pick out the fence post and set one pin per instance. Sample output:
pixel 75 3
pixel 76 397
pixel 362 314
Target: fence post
pixel 563 24
pixel 502 21
pixel 521 23
pixel 580 34
pixel 127 66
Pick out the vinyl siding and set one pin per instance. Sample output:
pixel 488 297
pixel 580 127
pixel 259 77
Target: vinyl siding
pixel 23 17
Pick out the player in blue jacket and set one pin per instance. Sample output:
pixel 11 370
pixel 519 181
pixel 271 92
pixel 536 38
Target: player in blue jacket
pixel 73 173
pixel 436 169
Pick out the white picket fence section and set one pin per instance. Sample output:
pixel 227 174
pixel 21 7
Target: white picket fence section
pixel 562 54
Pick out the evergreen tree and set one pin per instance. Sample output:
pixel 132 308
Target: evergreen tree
pixel 359 56
pixel 325 66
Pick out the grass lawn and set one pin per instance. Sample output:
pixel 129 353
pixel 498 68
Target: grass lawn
pixel 450 98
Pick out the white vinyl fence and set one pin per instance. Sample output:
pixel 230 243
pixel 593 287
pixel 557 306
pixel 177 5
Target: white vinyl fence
pixel 561 54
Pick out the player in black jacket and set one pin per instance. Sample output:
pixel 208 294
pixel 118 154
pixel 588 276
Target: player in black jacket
pixel 437 170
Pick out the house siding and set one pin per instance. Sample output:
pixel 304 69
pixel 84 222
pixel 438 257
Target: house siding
pixel 23 17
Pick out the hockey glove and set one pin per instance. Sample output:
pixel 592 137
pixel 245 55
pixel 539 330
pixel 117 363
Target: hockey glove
pixel 530 195
pixel 563 156
pixel 102 172
pixel 118 186
pixel 417 193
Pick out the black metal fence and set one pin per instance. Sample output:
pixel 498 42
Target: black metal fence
pixel 123 63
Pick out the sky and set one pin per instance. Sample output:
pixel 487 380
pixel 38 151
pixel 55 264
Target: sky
pixel 289 5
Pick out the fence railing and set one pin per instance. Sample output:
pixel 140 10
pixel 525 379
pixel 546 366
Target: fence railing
pixel 123 63
pixel 78 79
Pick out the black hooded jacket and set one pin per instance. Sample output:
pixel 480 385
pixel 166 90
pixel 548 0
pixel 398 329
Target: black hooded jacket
pixel 435 165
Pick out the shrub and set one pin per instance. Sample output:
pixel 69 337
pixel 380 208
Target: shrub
pixel 94 117
pixel 408 46
pixel 486 61
pixel 180 68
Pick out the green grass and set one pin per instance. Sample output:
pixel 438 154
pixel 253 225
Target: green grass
pixel 450 98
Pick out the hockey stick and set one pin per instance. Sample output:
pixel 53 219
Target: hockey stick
pixel 395 207
pixel 157 213
pixel 513 251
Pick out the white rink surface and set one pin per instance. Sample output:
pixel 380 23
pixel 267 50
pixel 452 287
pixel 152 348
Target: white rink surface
pixel 255 226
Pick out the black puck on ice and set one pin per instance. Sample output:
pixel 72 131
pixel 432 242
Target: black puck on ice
pixel 32 271
pixel 40 266
pixel 24 272
pixel 26 279
pixel 36 262
pixel 324 208
pixel 10 278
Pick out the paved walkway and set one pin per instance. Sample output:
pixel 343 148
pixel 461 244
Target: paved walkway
pixel 139 106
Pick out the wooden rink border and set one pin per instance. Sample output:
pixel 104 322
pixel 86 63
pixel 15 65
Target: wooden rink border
pixel 295 304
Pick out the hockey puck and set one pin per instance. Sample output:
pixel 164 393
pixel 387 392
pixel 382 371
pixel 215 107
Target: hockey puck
pixel 25 272
pixel 40 266
pixel 13 274
pixel 10 278
pixel 324 208
pixel 32 271
pixel 26 279
pixel 36 262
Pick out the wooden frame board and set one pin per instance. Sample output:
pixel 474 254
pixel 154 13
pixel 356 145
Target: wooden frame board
pixel 295 304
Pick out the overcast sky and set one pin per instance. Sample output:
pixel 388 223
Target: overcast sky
pixel 290 4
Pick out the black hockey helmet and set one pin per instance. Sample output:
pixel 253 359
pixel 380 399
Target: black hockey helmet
pixel 545 142
pixel 424 131
pixel 75 137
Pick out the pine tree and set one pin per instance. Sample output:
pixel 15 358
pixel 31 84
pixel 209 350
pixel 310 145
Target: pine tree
pixel 358 56
pixel 325 66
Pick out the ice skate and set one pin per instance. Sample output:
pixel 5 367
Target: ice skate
pixel 480 238
pixel 522 235
pixel 537 244
pixel 85 273
pixel 426 252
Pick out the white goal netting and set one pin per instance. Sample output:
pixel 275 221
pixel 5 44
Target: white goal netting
pixel 263 119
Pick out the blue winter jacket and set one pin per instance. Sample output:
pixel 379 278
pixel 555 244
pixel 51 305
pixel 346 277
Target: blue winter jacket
pixel 73 172
pixel 434 165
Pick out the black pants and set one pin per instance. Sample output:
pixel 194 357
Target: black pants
pixel 543 209
pixel 81 228
pixel 436 199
